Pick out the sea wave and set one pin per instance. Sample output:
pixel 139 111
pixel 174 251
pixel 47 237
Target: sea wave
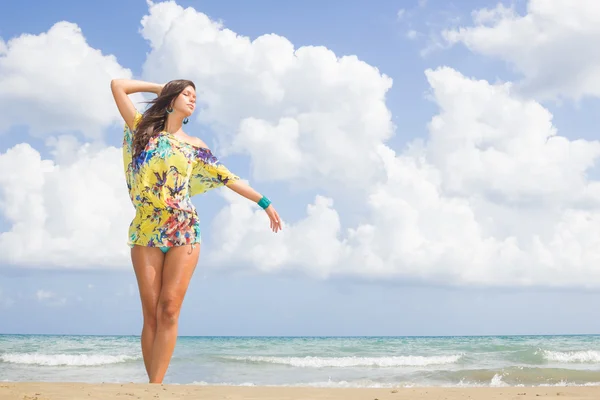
pixel 587 356
pixel 513 376
pixel 496 381
pixel 64 359
pixel 344 362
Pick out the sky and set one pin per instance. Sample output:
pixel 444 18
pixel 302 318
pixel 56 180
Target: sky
pixel 434 164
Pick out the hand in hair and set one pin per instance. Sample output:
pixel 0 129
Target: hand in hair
pixel 122 88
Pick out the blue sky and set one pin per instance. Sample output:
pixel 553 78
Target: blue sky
pixel 292 300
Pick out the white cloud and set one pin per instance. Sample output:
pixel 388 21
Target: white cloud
pixel 412 34
pixel 553 45
pixel 50 298
pixel 56 82
pixel 486 141
pixel 310 245
pixel 74 213
pixel 400 14
pixel 486 199
pixel 301 114
pixel 494 195
pixel 43 295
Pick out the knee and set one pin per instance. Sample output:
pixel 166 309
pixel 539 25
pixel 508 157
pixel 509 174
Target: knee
pixel 168 311
pixel 150 319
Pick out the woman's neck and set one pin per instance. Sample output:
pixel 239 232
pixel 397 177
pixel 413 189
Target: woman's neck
pixel 173 124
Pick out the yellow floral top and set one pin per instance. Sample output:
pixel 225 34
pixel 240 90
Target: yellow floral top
pixel 161 182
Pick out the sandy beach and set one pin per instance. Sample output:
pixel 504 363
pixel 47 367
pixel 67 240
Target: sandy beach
pixel 104 391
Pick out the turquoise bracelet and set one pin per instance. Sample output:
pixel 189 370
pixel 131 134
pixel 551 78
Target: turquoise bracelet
pixel 264 202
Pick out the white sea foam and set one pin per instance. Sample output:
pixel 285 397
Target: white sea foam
pixel 497 381
pixel 64 359
pixel 328 384
pixel 589 356
pixel 320 362
pixel 366 383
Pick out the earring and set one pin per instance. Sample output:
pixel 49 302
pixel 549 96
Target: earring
pixel 186 120
pixel 169 112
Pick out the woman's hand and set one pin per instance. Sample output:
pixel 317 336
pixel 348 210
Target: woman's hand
pixel 274 217
pixel 243 189
pixel 122 88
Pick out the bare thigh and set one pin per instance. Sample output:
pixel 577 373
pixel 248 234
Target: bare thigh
pixel 179 266
pixel 148 266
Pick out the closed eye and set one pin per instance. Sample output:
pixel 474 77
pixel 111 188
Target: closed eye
pixel 189 94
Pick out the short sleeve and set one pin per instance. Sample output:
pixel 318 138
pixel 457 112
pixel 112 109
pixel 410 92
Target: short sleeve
pixel 128 149
pixel 137 119
pixel 127 134
pixel 208 173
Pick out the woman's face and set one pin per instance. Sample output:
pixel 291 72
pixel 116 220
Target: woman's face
pixel 185 103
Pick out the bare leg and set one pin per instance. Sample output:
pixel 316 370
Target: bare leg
pixel 148 267
pixel 180 263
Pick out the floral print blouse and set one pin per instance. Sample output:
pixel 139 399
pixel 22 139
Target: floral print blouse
pixel 161 182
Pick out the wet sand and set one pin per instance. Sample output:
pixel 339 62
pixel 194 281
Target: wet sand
pixel 106 391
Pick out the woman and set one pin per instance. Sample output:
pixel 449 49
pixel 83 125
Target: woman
pixel 164 167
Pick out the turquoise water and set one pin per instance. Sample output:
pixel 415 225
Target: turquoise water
pixel 312 361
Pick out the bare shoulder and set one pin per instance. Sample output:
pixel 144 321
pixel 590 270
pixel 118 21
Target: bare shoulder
pixel 196 141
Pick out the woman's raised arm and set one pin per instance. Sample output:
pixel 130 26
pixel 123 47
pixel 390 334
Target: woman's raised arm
pixel 122 88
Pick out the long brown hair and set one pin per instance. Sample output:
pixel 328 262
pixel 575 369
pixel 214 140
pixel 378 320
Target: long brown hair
pixel 155 117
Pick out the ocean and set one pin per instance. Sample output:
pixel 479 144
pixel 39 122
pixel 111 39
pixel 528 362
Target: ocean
pixel 312 361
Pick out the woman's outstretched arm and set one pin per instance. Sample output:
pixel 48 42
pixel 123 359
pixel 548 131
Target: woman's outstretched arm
pixel 122 88
pixel 243 189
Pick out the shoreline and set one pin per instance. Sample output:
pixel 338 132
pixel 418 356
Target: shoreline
pixel 102 391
